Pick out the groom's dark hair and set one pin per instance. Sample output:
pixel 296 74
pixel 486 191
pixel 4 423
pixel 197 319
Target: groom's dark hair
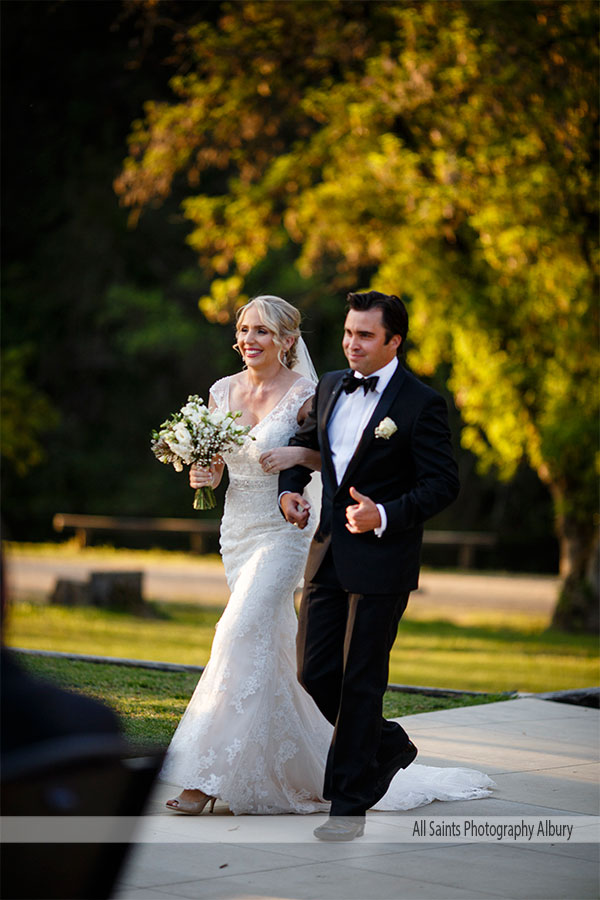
pixel 393 312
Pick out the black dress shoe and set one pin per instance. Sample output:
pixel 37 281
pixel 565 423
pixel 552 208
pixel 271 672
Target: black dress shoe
pixel 401 760
pixel 406 756
pixel 341 828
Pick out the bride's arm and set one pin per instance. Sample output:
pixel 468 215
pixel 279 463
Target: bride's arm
pixel 202 477
pixel 281 458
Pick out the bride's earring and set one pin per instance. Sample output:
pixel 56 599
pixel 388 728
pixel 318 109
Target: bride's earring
pixel 239 352
pixel 284 355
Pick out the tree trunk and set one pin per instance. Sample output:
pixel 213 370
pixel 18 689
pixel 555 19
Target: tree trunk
pixel 577 607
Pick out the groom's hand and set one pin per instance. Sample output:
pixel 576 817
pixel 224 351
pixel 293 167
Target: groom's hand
pixel 363 515
pixel 295 508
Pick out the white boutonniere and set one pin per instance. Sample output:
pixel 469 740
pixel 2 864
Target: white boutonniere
pixel 386 428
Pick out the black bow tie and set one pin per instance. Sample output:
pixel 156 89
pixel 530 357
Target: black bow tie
pixel 350 383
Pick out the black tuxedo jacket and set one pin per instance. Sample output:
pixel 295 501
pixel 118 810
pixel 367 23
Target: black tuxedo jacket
pixel 413 474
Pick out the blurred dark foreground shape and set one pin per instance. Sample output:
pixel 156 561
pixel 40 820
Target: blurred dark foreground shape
pixel 63 755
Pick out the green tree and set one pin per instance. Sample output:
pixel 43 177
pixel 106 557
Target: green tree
pixel 445 150
pixel 101 333
pixel 26 413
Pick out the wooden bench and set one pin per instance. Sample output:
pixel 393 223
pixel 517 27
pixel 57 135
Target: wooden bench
pixel 465 541
pixel 85 526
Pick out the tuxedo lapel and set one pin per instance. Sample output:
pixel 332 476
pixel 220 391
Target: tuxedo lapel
pixel 379 413
pixel 324 418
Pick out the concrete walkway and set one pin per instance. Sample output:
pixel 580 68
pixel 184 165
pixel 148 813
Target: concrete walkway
pixel 543 757
pixel 202 581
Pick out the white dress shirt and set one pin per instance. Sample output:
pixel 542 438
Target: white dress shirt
pixel 348 421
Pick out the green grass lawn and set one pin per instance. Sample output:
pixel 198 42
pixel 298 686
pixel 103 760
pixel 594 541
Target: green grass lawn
pixel 151 703
pixel 482 655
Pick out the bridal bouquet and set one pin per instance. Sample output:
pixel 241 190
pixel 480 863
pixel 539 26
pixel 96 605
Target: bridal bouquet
pixel 196 435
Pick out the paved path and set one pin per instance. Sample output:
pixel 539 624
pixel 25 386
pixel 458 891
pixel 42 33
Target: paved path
pixel 164 579
pixel 203 581
pixel 543 757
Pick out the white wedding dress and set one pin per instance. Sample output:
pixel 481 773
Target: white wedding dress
pixel 251 735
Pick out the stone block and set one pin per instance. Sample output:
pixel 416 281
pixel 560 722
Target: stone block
pixel 121 591
pixel 70 593
pixel 117 590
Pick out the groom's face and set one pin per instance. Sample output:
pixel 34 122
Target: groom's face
pixel 364 341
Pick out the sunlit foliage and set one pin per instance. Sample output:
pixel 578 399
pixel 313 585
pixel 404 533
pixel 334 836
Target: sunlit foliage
pixel 449 150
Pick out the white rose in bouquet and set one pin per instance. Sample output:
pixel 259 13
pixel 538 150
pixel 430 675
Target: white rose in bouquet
pixel 197 435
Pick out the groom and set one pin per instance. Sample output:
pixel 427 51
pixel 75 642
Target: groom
pixel 387 466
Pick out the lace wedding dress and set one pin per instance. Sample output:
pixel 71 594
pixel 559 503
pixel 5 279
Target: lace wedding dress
pixel 251 735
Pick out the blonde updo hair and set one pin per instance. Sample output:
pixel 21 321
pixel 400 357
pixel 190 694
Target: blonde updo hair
pixel 281 318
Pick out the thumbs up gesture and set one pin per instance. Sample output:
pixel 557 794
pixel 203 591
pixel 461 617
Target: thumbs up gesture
pixel 363 515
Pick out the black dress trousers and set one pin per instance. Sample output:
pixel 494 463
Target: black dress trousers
pixel 344 643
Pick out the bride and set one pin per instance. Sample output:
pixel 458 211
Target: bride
pixel 251 736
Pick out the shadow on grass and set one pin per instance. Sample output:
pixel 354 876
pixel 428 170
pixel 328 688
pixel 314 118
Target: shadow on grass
pixel 190 613
pixel 549 638
pixel 416 632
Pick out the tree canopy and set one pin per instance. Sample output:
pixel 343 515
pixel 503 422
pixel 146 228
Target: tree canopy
pixel 447 151
pixel 101 333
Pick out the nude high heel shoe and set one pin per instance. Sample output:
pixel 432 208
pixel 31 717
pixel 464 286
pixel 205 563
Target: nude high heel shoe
pixel 191 807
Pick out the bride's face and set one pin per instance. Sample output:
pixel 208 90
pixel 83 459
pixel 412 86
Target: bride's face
pixel 255 341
